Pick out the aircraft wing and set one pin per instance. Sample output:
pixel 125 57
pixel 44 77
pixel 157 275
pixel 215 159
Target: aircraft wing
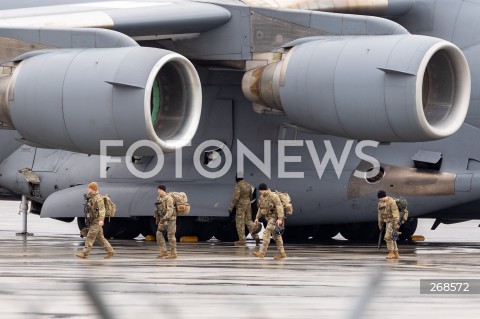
pixel 133 18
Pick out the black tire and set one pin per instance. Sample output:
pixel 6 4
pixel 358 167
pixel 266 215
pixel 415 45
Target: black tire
pixel 299 233
pixel 325 232
pixel 204 230
pixel 408 228
pixel 226 230
pixel 148 226
pixel 184 227
pixel 116 228
pixel 121 228
pixel 362 232
pixel 81 223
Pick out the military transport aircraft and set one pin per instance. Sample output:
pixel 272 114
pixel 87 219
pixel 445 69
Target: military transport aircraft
pixel 328 100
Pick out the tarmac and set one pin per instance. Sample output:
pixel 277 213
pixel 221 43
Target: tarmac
pixel 41 278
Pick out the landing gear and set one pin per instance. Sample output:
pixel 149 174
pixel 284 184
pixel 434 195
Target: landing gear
pixel 184 227
pixel 298 233
pixel 204 230
pixel 226 230
pixel 117 228
pixel 325 232
pixel 147 226
pixel 360 231
pixel 24 212
pixel 408 228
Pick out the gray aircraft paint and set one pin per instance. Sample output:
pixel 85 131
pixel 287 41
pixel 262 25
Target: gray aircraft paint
pixel 222 50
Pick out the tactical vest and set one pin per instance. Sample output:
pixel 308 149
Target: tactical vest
pixel 161 205
pixel 92 207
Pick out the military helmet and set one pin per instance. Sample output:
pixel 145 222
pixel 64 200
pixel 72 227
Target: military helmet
pixel 279 230
pixel 256 229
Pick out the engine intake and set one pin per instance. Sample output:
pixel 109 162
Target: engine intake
pixel 73 99
pixel 385 88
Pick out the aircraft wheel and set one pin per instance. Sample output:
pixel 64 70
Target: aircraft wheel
pixel 81 223
pixel 184 227
pixel 325 232
pixel 360 231
pixel 122 228
pixel 204 230
pixel 299 233
pixel 408 228
pixel 226 230
pixel 148 226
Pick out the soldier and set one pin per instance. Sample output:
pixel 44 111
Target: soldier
pixel 270 207
pixel 242 198
pixel 95 215
pixel 388 213
pixel 166 220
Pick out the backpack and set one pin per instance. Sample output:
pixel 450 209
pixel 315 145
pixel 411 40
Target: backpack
pixel 287 206
pixel 180 202
pixel 110 207
pixel 402 208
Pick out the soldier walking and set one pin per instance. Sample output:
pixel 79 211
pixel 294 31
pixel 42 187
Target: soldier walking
pixel 242 200
pixel 388 214
pixel 166 220
pixel 94 218
pixel 270 207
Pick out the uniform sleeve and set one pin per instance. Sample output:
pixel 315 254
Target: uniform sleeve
pixel 170 209
pixel 278 207
pixel 258 214
pixel 101 208
pixel 157 208
pixel 235 198
pixel 380 219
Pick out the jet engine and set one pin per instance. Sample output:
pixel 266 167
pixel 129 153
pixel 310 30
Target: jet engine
pixel 384 88
pixel 73 99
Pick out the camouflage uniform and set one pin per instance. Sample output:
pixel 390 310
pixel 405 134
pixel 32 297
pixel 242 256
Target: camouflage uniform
pixel 242 197
pixel 166 221
pixel 95 214
pixel 270 207
pixel 388 213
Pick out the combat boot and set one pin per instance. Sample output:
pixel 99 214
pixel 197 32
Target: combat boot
pixel 240 243
pixel 390 255
pixel 109 255
pixel 82 255
pixel 282 255
pixel 163 254
pixel 173 255
pixel 397 256
pixel 259 254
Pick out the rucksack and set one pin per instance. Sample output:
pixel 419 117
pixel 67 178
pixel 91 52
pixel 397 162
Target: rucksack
pixel 110 207
pixel 287 206
pixel 402 208
pixel 180 202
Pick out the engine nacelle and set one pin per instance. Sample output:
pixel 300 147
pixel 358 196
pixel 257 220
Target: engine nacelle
pixel 73 99
pixel 385 88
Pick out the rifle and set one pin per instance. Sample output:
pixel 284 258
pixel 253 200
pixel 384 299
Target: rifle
pixel 380 237
pixel 85 211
